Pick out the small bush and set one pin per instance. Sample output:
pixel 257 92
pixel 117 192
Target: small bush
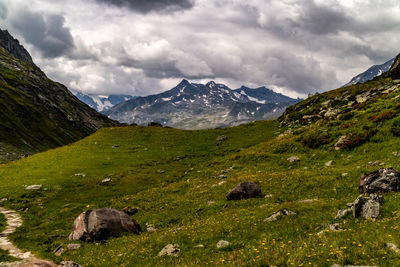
pixel 355 139
pixel 396 127
pixel 315 139
pixel 385 115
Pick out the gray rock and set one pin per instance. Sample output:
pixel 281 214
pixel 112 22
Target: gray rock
pixel 169 250
pixel 105 181
pixel 80 174
pixel 222 244
pixel 58 251
pixel 73 246
pixel 70 264
pixel 342 213
pixel 100 224
pixel 294 159
pixel 371 209
pixel 34 187
pixel 130 211
pixel 337 265
pixel 341 143
pixel 277 215
pixel 393 247
pixel 357 206
pixel 244 190
pixel 151 229
pixel 221 138
pixel 329 163
pixel 382 180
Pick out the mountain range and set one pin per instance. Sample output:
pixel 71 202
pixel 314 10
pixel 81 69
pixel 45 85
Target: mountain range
pixel 371 73
pixel 199 106
pixel 102 102
pixel 36 112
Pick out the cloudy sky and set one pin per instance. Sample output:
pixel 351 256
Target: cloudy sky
pixel 142 47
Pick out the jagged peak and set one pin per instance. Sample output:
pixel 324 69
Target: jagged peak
pixel 12 45
pixel 395 69
pixel 211 84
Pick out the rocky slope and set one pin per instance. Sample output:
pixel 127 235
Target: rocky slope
pixel 342 104
pixel 102 102
pixel 371 73
pixel 198 106
pixel 37 113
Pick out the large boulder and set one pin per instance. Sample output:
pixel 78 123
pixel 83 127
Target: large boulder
pixel 382 180
pixel 100 224
pixel 244 190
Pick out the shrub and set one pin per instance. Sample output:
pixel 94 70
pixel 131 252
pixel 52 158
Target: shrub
pixel 355 139
pixel 385 115
pixel 396 127
pixel 315 139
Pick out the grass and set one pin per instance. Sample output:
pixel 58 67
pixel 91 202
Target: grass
pixel 174 178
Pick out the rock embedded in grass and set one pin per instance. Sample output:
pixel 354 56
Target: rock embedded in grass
pixel 277 215
pixel 329 163
pixel 293 159
pixel 222 244
pixel 69 264
pixel 73 246
pixel 130 211
pixel 221 138
pixel 244 190
pixel 100 224
pixel 170 250
pixel 382 180
pixel 33 187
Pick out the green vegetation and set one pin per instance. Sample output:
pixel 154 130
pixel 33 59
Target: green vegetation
pixel 179 179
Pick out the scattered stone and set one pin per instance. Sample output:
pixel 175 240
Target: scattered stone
pixel 80 174
pixel 219 184
pixel 268 196
pixel 277 215
pixel 210 202
pixel 223 176
pixel 375 163
pixel 294 159
pixel 366 206
pixel 100 224
pixel 393 247
pixel 382 180
pixel 73 246
pixel 396 154
pixel 160 171
pixel 343 213
pixel 344 174
pixel 221 138
pixel 34 187
pixel 199 246
pixel 130 211
pixel 222 244
pixel 151 229
pixel 115 146
pixel 169 250
pixel 329 163
pixel 58 251
pixel 70 264
pixel 3 200
pixel 343 140
pixel 106 181
pixel 244 190
pixel 336 227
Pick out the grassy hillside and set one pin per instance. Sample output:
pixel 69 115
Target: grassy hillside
pixel 37 113
pixel 177 180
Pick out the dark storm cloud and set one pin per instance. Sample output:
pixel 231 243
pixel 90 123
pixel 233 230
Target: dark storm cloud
pixel 321 19
pixel 3 11
pixel 146 6
pixel 46 33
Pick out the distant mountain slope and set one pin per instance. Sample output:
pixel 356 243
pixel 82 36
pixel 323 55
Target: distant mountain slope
pixel 37 113
pixel 371 73
pixel 198 106
pixel 100 103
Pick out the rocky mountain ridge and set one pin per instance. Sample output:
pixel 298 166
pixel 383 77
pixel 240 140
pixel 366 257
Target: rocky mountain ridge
pixel 13 46
pixel 102 102
pixel 38 113
pixel 199 106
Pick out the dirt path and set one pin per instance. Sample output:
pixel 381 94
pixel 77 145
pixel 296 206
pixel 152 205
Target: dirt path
pixel 27 258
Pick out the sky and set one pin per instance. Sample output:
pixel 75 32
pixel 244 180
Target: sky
pixel 143 47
